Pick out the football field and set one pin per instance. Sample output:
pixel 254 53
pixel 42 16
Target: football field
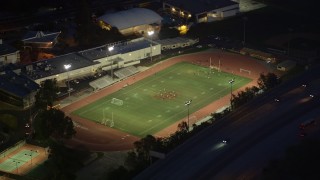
pixel 154 103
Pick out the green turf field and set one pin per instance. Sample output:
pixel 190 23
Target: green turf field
pixel 156 102
pixel 17 160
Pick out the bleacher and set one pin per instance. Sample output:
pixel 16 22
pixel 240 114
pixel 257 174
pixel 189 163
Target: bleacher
pixel 126 72
pixel 102 82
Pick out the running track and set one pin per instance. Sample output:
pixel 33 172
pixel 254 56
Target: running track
pixel 96 137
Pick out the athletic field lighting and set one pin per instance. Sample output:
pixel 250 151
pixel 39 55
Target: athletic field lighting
pixel 150 34
pixel 110 48
pixel 67 67
pixel 231 83
pixel 187 103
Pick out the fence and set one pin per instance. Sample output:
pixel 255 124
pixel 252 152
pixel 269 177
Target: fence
pixel 12 148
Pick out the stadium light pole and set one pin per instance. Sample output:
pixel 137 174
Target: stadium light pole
pixel 67 67
pixel 231 83
pixel 150 34
pixel 187 103
pixel 111 48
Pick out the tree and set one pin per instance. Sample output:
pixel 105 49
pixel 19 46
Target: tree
pixel 53 123
pixel 63 162
pixel 88 33
pixel 167 32
pixel 47 94
pixel 268 81
pixel 244 96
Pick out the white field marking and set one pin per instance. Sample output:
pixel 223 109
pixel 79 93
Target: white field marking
pixel 183 111
pixel 138 87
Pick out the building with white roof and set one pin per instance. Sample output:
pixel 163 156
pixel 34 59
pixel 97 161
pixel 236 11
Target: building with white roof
pixel 133 21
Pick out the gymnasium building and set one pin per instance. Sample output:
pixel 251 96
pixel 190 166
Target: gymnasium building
pixel 138 21
pixel 202 10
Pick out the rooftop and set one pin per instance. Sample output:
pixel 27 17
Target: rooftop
pixel 81 59
pixel 40 36
pixel 130 18
pixel 6 49
pixel 19 85
pixel 200 6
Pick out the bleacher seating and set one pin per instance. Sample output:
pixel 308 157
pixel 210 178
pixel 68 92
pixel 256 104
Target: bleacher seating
pixel 102 82
pixel 126 72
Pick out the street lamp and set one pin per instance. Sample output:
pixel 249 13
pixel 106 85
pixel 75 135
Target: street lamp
pixel 187 103
pixel 231 83
pixel 67 67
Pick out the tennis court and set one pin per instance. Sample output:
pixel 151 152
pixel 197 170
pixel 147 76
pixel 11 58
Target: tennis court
pixel 156 102
pixel 19 159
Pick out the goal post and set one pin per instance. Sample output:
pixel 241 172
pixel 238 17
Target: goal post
pixel 106 120
pixel 117 102
pixel 245 71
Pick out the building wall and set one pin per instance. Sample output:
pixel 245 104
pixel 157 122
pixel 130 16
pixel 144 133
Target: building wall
pixel 174 44
pixel 105 63
pixel 10 58
pixel 213 15
pixel 218 14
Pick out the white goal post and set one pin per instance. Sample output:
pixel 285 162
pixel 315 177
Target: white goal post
pixel 245 71
pixel 106 121
pixel 117 102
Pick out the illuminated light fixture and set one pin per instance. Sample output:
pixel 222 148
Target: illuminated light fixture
pixel 189 16
pixel 67 66
pixel 173 9
pixel 183 29
pixel 150 33
pixel 111 48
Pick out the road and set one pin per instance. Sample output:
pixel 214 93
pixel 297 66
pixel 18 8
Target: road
pixel 251 163
pixel 204 156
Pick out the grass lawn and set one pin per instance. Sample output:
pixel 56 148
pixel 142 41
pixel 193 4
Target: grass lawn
pixel 156 102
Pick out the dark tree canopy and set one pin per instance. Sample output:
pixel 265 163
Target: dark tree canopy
pixel 268 81
pixel 88 33
pixel 53 123
pixel 47 93
pixel 167 32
